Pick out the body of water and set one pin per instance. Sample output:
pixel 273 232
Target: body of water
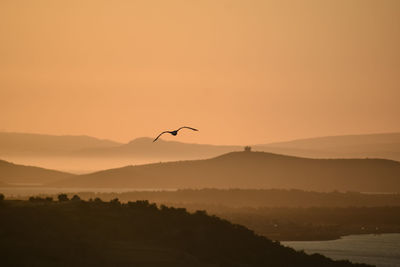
pixel 381 250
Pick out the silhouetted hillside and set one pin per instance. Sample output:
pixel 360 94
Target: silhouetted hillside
pixel 281 214
pixel 252 170
pixel 11 173
pixel 386 145
pixel 77 233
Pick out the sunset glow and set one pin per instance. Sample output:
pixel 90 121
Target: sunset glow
pixel 243 72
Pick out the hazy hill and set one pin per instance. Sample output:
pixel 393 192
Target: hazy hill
pixel 386 145
pixel 78 233
pixel 144 148
pixel 83 154
pixel 347 146
pixel 251 170
pixel 19 174
pixel 25 144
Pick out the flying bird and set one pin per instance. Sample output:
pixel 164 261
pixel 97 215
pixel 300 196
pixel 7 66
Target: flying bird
pixel 174 132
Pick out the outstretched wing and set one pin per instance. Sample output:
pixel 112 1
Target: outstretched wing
pixel 187 128
pixel 160 135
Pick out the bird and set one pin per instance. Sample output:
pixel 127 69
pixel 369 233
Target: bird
pixel 175 132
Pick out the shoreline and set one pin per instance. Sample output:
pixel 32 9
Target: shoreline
pixel 335 238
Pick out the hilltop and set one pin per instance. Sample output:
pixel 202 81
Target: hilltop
pixel 251 170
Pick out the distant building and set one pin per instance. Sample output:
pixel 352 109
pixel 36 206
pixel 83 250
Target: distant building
pixel 247 148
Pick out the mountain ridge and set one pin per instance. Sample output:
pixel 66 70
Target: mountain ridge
pixel 87 156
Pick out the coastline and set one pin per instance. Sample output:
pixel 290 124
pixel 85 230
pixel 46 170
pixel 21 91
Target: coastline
pixel 336 237
pixel 380 250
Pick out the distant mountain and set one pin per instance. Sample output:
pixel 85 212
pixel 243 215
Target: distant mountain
pixel 161 150
pixel 251 170
pixel 83 154
pixel 19 174
pixel 25 144
pixel 386 145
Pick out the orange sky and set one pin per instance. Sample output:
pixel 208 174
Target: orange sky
pixel 242 72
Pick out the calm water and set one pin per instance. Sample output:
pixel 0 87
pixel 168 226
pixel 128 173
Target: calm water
pixel 380 250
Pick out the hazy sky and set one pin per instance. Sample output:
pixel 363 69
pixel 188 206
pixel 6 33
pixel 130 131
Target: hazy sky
pixel 242 72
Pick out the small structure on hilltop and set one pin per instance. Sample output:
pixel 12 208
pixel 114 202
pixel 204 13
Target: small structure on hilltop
pixel 247 149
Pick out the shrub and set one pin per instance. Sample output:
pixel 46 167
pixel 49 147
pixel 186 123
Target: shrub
pixel 62 197
pixel 75 198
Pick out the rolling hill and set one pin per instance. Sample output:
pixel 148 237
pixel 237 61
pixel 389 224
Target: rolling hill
pixel 251 170
pixel 83 154
pixel 11 173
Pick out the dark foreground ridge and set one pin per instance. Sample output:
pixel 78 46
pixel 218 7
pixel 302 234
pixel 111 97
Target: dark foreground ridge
pixel 42 232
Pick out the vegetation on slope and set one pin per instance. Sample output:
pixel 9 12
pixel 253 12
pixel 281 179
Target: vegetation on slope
pixel 42 232
pixel 253 197
pixel 283 214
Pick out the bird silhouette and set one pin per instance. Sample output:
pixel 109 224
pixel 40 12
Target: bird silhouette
pixel 174 132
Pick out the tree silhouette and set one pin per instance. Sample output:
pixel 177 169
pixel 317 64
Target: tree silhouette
pixel 75 198
pixel 62 197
